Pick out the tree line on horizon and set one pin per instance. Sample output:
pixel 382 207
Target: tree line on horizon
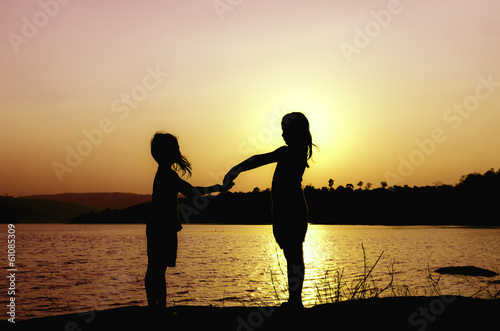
pixel 470 202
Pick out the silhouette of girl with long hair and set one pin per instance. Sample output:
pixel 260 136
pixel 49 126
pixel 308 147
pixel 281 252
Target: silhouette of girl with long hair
pixel 162 227
pixel 289 208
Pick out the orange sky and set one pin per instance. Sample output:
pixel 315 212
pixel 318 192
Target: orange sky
pixel 402 91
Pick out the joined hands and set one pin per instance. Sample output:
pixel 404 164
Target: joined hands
pixel 228 181
pixel 226 186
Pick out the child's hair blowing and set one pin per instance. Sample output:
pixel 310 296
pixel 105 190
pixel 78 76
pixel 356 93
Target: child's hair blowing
pixel 296 131
pixel 165 150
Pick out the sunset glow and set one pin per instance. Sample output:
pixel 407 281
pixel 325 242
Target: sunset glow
pixel 406 92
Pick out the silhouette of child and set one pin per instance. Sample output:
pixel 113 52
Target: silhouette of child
pixel 289 208
pixel 162 227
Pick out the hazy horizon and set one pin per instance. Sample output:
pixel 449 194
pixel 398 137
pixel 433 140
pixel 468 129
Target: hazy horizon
pixel 406 92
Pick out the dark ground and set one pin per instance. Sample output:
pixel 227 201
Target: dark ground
pixel 402 313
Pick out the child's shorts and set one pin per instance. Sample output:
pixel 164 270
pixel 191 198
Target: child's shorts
pixel 162 247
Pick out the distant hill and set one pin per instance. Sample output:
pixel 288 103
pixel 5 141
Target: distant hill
pixel 134 214
pixel 23 210
pixel 113 200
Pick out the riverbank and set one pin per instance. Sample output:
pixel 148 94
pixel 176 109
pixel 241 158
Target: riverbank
pixel 401 313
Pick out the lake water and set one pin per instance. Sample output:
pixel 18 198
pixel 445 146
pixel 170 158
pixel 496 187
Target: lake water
pixel 65 268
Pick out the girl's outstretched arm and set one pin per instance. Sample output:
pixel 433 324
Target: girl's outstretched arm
pixel 190 191
pixel 251 163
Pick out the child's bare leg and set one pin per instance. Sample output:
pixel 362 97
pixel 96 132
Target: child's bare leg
pixel 295 269
pixel 155 286
pixel 162 291
pixel 149 284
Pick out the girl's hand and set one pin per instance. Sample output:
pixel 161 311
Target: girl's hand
pixel 232 174
pixel 226 185
pixel 227 180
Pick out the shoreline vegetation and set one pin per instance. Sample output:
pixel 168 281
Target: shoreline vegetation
pixel 471 202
